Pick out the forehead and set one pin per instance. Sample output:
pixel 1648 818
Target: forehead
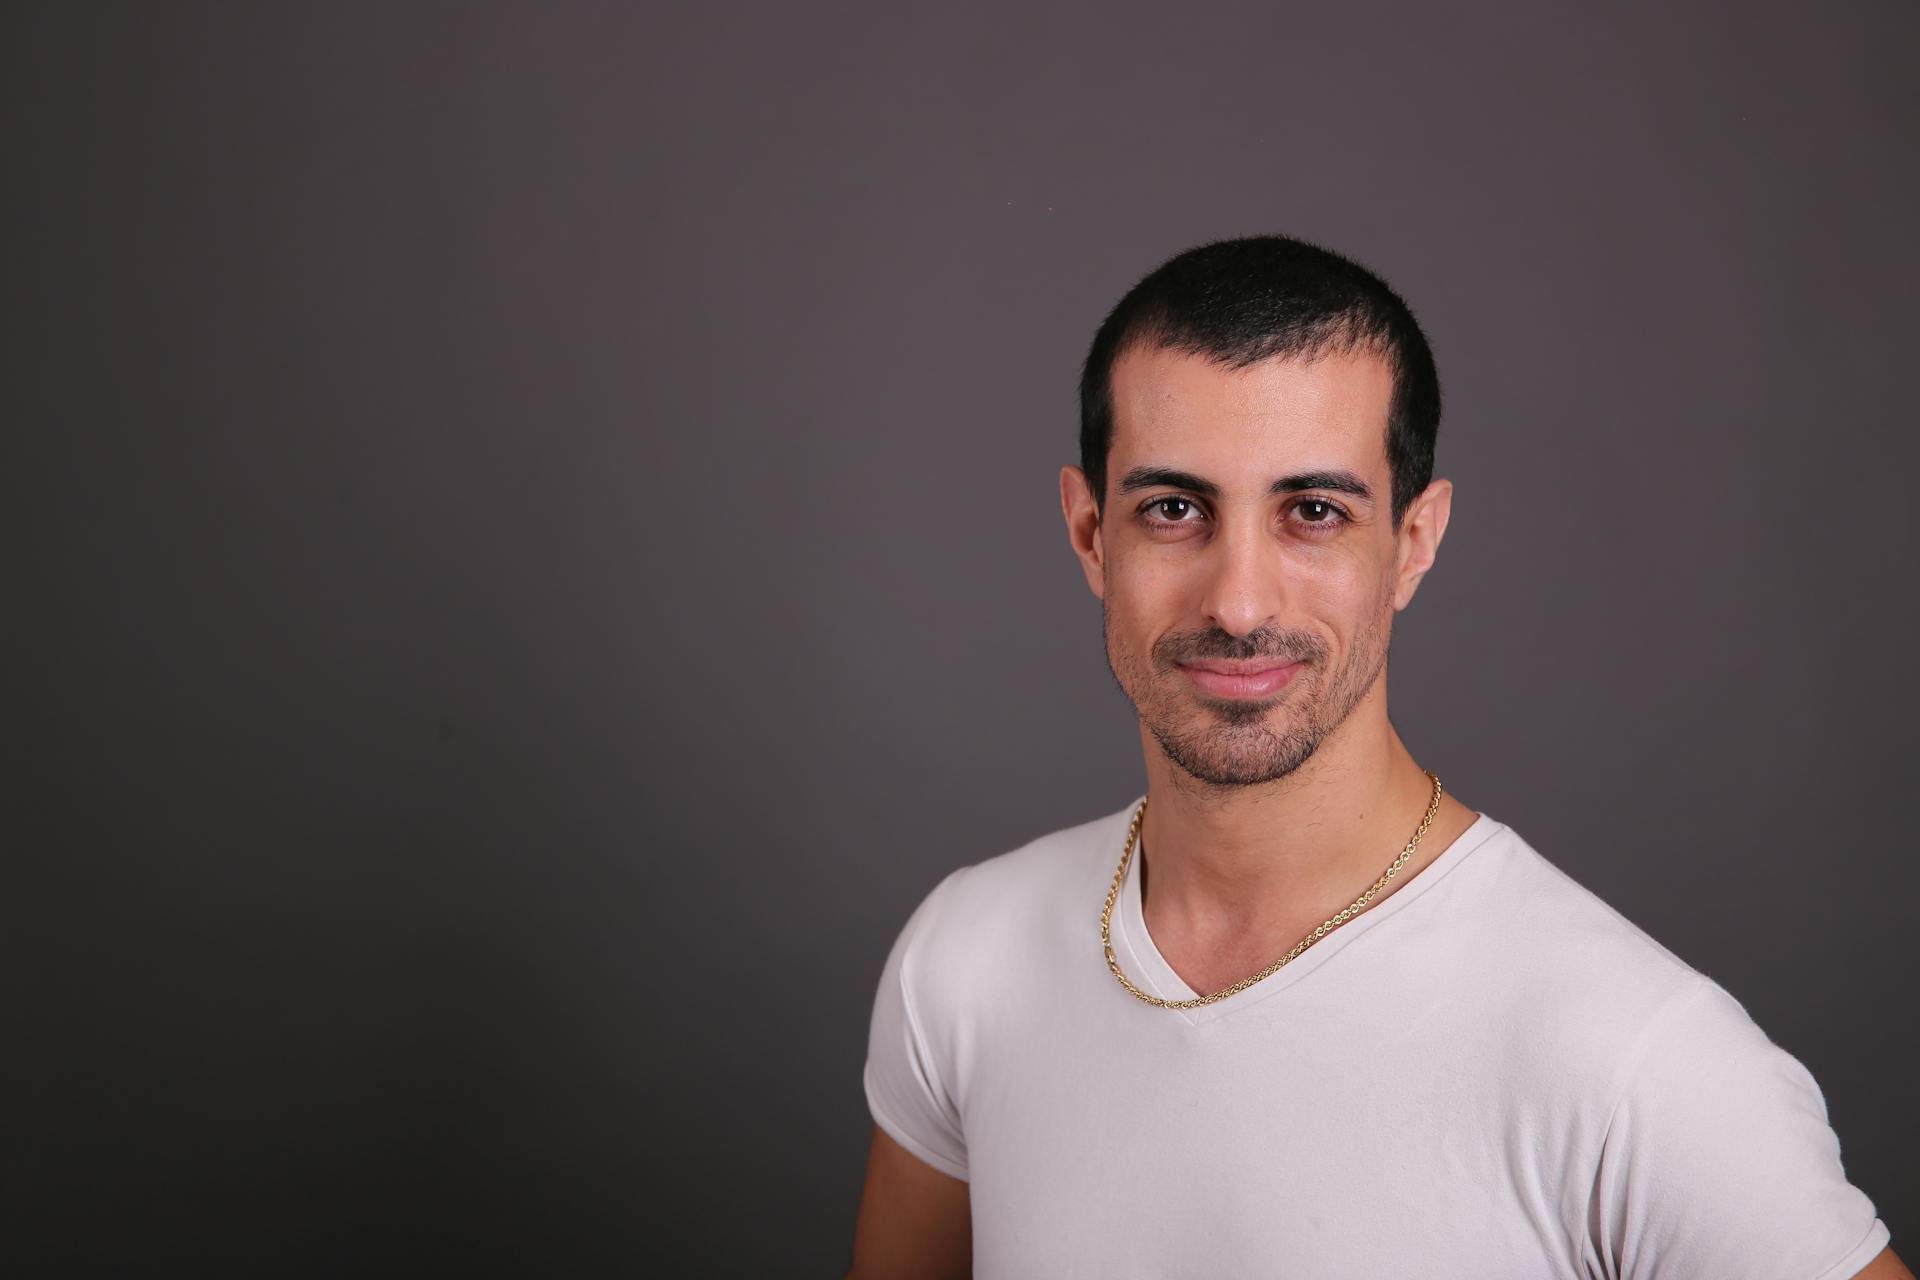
pixel 1176 408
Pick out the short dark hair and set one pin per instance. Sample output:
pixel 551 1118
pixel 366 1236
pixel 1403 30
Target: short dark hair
pixel 1246 300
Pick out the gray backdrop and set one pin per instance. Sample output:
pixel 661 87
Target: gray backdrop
pixel 535 543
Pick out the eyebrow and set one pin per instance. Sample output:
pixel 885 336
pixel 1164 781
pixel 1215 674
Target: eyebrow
pixel 1335 481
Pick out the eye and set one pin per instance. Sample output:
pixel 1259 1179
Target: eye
pixel 1320 515
pixel 1173 508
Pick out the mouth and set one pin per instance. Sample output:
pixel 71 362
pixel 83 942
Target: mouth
pixel 1250 679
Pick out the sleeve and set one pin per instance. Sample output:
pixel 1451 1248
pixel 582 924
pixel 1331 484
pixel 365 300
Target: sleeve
pixel 905 1089
pixel 1719 1162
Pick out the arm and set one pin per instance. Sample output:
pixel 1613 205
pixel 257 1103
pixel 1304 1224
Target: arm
pixel 1885 1267
pixel 916 1221
pixel 1720 1159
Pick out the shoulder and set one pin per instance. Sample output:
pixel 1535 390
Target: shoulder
pixel 1719 1153
pixel 1042 871
pixel 1569 992
pixel 996 917
pixel 1696 1139
pixel 1565 943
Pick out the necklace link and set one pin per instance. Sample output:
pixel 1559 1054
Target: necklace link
pixel 1320 931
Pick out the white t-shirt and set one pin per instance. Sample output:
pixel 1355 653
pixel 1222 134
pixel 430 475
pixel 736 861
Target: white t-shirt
pixel 1489 1074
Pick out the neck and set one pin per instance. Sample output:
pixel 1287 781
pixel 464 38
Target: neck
pixel 1229 872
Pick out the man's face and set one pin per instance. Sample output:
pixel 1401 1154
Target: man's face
pixel 1246 622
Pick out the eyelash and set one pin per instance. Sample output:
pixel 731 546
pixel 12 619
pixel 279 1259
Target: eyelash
pixel 1315 528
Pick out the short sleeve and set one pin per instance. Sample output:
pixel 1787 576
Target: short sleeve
pixel 905 1088
pixel 1720 1161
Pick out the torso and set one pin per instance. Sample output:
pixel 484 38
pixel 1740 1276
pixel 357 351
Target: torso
pixel 1423 1092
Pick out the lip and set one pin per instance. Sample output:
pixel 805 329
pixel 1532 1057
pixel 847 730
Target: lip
pixel 1241 679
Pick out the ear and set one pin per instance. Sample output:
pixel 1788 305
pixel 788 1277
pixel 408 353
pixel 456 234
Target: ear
pixel 1083 527
pixel 1419 539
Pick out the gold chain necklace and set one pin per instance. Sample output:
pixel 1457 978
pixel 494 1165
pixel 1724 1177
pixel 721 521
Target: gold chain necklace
pixel 1345 914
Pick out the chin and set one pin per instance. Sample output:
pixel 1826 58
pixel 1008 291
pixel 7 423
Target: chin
pixel 1235 712
pixel 1234 757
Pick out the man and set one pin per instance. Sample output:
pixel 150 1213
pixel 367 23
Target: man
pixel 1334 1022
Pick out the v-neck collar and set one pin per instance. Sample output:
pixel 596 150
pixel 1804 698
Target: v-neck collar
pixel 1151 973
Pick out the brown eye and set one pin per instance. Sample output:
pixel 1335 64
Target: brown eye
pixel 1322 515
pixel 1171 510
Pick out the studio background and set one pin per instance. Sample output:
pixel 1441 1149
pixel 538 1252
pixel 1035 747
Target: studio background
pixel 535 542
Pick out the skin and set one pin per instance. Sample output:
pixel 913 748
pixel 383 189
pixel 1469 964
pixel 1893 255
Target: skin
pixel 915 1221
pixel 1266 815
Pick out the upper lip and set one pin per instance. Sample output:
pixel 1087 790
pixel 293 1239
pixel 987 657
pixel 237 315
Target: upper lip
pixel 1240 667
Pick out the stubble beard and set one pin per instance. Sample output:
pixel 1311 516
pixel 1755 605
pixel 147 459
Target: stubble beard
pixel 1232 742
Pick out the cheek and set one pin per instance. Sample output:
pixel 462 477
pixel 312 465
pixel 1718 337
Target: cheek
pixel 1144 575
pixel 1156 592
pixel 1334 589
pixel 1132 627
pixel 1364 594
pixel 1128 634
pixel 1143 589
pixel 1344 607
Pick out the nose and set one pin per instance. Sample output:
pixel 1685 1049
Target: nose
pixel 1244 579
